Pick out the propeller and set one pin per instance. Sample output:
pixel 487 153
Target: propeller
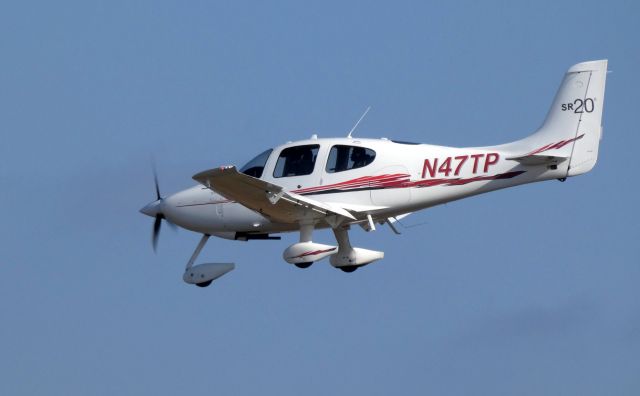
pixel 157 224
pixel 154 209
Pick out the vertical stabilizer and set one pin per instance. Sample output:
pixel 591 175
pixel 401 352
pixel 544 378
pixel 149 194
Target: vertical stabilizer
pixel 573 126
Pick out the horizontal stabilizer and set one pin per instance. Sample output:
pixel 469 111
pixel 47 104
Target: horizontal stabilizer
pixel 537 159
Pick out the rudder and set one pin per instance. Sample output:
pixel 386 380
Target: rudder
pixel 584 152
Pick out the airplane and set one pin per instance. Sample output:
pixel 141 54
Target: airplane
pixel 338 183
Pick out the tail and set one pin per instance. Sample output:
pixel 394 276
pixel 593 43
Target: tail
pixel 573 127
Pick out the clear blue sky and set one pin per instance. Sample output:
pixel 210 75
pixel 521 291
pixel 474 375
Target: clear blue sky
pixel 528 291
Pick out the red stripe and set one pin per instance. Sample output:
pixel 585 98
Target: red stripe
pixel 354 183
pixel 557 145
pixel 543 148
pixel 312 253
pixel 400 181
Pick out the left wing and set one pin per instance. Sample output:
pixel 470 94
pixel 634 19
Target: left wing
pixel 270 199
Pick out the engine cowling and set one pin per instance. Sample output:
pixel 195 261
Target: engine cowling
pixel 206 273
pixel 307 252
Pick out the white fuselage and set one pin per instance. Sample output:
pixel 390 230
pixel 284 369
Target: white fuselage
pixel 402 178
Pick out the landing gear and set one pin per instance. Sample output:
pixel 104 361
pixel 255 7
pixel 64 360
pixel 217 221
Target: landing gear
pixel 305 252
pixel 303 265
pixel 349 258
pixel 202 275
pixel 344 256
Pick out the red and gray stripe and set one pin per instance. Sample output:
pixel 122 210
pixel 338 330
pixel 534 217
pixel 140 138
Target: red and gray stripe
pixel 557 145
pixel 313 253
pixel 397 180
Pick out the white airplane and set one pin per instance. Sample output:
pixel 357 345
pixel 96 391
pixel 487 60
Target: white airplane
pixel 340 182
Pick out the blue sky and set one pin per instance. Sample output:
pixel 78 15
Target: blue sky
pixel 528 291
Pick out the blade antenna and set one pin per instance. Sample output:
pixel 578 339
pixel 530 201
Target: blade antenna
pixel 357 123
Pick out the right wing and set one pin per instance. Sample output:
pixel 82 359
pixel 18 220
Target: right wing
pixel 269 199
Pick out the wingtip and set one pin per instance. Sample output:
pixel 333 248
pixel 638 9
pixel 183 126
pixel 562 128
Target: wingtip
pixel 202 177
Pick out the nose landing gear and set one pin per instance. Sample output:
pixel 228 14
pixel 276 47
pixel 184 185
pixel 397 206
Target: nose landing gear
pixel 202 275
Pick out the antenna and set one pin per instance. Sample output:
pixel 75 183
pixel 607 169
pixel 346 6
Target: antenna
pixel 357 123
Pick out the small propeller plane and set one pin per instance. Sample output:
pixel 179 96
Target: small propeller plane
pixel 337 183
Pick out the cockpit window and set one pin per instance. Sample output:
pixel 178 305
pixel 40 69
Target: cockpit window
pixel 342 158
pixel 296 161
pixel 256 166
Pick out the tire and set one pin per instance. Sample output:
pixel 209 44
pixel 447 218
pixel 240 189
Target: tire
pixel 303 265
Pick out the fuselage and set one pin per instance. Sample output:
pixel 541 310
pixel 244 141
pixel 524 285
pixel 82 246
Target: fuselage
pixel 382 177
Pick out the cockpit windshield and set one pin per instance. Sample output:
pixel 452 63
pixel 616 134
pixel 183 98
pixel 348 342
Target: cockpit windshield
pixel 256 166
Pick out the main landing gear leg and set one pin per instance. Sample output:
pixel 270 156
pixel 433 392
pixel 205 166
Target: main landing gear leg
pixel 345 250
pixel 348 258
pixel 306 231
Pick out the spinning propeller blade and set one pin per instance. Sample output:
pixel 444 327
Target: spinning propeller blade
pixel 155 179
pixel 156 231
pixel 154 209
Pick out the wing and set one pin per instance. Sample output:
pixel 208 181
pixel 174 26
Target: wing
pixel 270 199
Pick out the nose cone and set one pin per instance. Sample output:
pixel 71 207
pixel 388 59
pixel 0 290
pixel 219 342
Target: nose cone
pixel 152 209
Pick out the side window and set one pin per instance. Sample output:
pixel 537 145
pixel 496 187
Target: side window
pixel 342 158
pixel 296 161
pixel 256 166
